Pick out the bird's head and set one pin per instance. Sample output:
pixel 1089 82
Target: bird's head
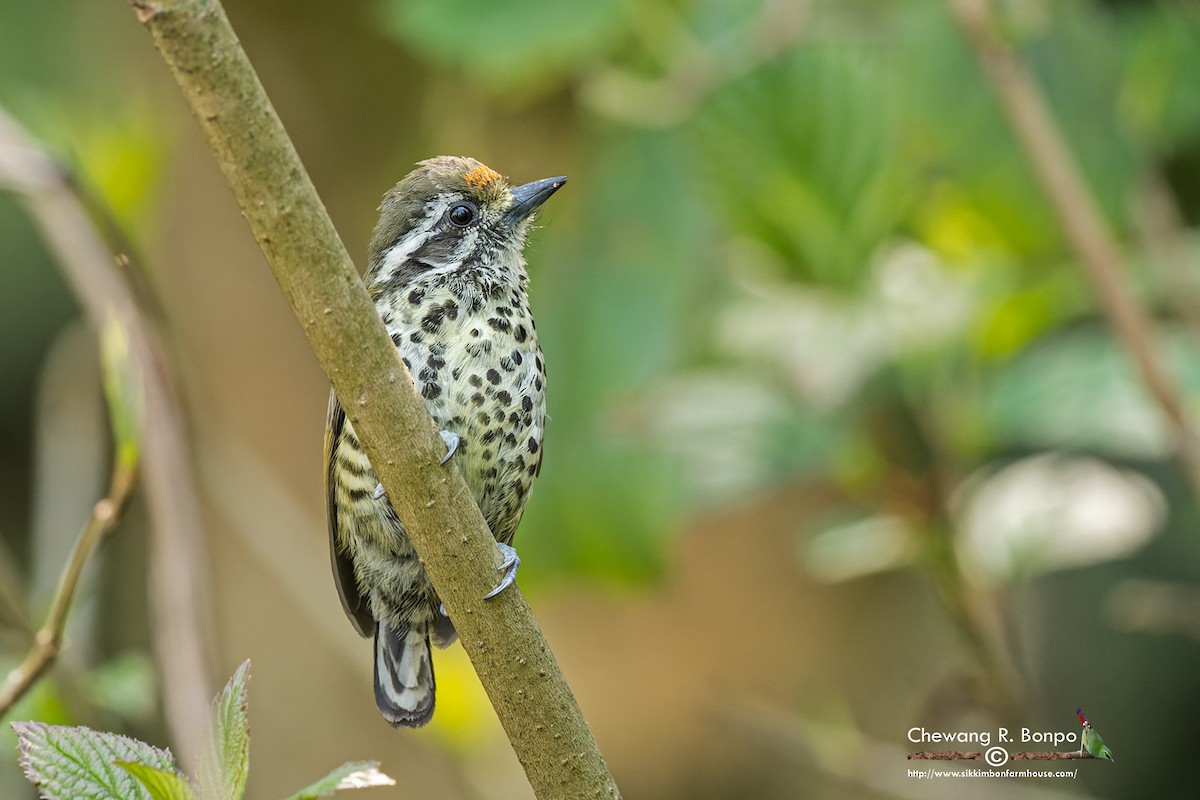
pixel 448 214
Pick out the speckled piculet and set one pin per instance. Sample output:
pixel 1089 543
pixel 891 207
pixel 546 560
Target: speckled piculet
pixel 447 275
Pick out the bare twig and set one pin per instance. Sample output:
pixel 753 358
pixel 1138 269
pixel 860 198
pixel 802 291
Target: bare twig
pixel 178 572
pixel 48 640
pixel 1097 252
pixel 532 699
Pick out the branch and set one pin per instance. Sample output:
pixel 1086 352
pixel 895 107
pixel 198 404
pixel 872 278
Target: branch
pixel 1064 186
pixel 103 520
pixel 177 574
pixel 277 198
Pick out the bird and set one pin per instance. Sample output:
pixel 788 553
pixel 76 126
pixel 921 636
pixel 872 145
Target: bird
pixel 446 272
pixel 1092 741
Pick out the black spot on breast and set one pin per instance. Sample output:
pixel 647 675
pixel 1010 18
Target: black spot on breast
pixel 507 365
pixel 504 311
pixel 450 309
pixel 514 418
pixel 540 366
pixel 510 438
pixel 397 338
pixel 476 305
pixel 537 384
pixel 533 445
pixel 435 362
pixel 526 404
pixel 456 373
pixel 532 470
pixel 433 320
pixel 484 418
pixel 493 377
pixel 516 357
pixel 520 334
pixel 430 391
pixel 499 324
pixel 427 374
pixel 407 365
pixel 490 436
pixel 416 296
pixel 475 381
pixel 504 397
pixel 477 399
pixel 486 455
pixel 498 415
pixel 415 337
pixel 475 332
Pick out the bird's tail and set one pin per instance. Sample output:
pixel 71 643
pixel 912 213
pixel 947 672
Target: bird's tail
pixel 404 686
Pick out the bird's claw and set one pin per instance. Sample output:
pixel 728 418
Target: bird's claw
pixel 509 565
pixel 451 439
pixel 379 492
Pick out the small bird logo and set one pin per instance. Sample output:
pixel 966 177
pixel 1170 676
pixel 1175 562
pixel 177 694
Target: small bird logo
pixel 1092 741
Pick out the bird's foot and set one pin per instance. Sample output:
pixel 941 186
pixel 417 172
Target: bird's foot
pixel 451 439
pixel 509 565
pixel 379 492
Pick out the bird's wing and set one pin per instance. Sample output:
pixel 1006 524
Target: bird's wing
pixel 343 570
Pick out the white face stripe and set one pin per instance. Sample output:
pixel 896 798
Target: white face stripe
pixel 401 251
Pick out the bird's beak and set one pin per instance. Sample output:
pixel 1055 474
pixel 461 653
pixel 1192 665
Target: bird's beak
pixel 527 197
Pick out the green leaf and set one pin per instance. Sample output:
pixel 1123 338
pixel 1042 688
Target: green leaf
pixel 67 763
pixel 516 43
pixel 354 775
pixel 160 783
pixel 225 757
pixel 802 156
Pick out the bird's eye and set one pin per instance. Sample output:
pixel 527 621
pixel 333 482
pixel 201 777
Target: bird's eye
pixel 462 215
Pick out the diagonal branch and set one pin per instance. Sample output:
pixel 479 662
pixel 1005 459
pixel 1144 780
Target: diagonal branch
pixel 277 198
pixel 1097 252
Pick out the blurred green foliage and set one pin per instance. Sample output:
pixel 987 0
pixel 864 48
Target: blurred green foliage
pixel 800 245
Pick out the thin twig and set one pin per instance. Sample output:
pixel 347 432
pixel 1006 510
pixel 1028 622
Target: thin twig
pixel 1096 250
pixel 178 566
pixel 48 640
pixel 507 648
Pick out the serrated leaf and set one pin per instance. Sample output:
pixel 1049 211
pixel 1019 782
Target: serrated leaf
pixel 67 763
pixel 225 757
pixel 354 775
pixel 160 783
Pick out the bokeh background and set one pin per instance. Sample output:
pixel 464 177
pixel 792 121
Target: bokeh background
pixel 840 442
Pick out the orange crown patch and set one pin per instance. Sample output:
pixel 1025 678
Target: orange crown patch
pixel 481 176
